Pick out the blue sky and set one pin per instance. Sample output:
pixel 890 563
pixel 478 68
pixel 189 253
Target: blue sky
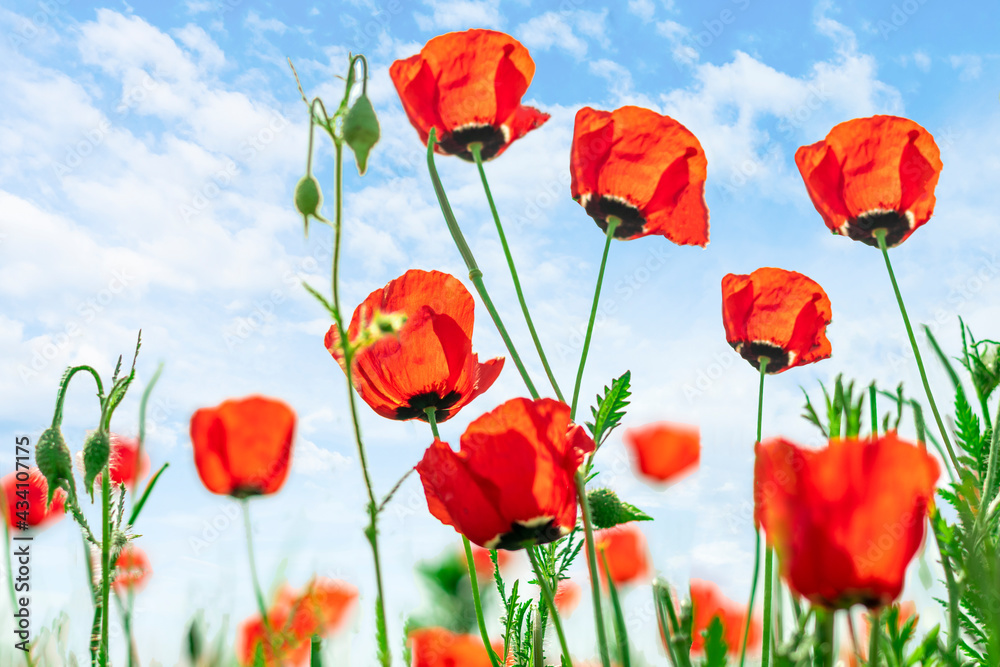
pixel 148 153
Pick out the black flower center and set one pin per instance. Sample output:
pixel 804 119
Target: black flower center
pixel 431 399
pixel 522 535
pixel 895 224
pixel 632 221
pixel 778 358
pixel 490 138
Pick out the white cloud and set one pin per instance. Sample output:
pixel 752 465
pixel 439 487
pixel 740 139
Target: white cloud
pixel 460 15
pixel 257 24
pixel 969 66
pixel 559 29
pixel 922 61
pixel 644 9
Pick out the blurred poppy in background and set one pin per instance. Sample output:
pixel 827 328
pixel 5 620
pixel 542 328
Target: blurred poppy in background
pixel 437 647
pixel 845 520
pixel 872 173
pixel 512 483
pixel 125 464
pixel 707 603
pixel 567 597
pixel 243 447
pixel 469 86
pixel 484 562
pixel 624 548
pixel 645 169
pixel 132 570
pixel 778 314
pixel 25 500
pixel 429 363
pixel 664 452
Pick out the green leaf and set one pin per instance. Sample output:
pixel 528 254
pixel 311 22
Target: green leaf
pixel 607 510
pixel 811 416
pixel 54 461
pixel 322 299
pixel 715 644
pixel 361 130
pixel 96 451
pixel 610 408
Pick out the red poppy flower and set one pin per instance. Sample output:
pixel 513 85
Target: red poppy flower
pixel 125 465
pixel 437 647
pixel 512 483
pixel 430 363
pixel 664 452
pixel 243 447
pixel 778 314
pixel 25 499
pixel 845 520
pixel 707 603
pixel 469 86
pixel 872 173
pixel 645 169
pixel 132 569
pixel 567 597
pixel 321 608
pixel 626 552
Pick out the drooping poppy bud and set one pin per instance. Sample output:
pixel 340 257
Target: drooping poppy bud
pixel 664 452
pixel 132 570
pixel 845 520
pixel 308 199
pixel 361 130
pixel 54 460
pixel 430 363
pixel 512 484
pixel 624 548
pixel 26 494
pixel 645 169
pixel 872 173
pixel 707 603
pixel 243 447
pixel 778 314
pixel 468 85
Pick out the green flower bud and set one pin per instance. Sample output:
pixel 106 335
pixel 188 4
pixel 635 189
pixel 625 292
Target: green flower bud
pixel 54 460
pixel 608 511
pixel 361 131
pixel 96 450
pixel 308 199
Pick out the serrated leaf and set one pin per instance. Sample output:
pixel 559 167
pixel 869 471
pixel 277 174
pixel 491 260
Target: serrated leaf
pixel 715 644
pixel 608 511
pixel 610 408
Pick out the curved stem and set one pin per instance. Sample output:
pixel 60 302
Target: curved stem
pixel 475 274
pixel 595 578
pixel 543 583
pixel 477 602
pixel 880 236
pixel 261 605
pixel 64 385
pixel 476 149
pixel 613 223
pixel 756 553
pixel 105 562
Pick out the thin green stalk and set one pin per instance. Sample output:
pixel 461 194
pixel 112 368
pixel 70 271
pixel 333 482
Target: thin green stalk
pixel 475 274
pixel 872 397
pixel 105 562
pixel 765 656
pixel 476 149
pixel 595 578
pixel 823 656
pixel 261 605
pixel 763 361
pixel 613 223
pixel 621 631
pixel 873 642
pixel 142 426
pixel 543 583
pixel 880 236
pixel 954 612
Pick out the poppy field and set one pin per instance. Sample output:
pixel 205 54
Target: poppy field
pixel 899 486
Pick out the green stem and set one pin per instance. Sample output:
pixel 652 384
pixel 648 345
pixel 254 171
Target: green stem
pixel 954 612
pixel 880 236
pixel 475 274
pixel 550 602
pixel 105 561
pixel 991 465
pixel 765 656
pixel 476 600
pixel 762 361
pixel 476 149
pixel 823 656
pixel 621 632
pixel 613 223
pixel 261 605
pixel 64 385
pixel 872 398
pixel 142 425
pixel 595 579
pixel 873 642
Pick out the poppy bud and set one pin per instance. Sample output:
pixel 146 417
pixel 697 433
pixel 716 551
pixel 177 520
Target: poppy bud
pixel 96 450
pixel 308 199
pixel 54 460
pixel 608 511
pixel 361 130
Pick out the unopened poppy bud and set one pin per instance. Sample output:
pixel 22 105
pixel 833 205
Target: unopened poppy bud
pixel 308 199
pixel 96 450
pixel 361 130
pixel 607 510
pixel 54 460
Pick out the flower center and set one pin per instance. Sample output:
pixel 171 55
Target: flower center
pixel 540 530
pixel 778 358
pixel 600 208
pixel 431 399
pixel 490 138
pixel 897 225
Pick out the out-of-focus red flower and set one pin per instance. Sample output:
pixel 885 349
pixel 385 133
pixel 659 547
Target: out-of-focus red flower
pixel 243 447
pixel 626 552
pixel 132 569
pixel 664 452
pixel 484 563
pixel 321 608
pixel 25 499
pixel 845 520
pixel 872 173
pixel 437 647
pixel 645 169
pixel 469 86
pixel 512 483
pixel 778 314
pixel 567 597
pixel 430 363
pixel 707 603
pixel 124 463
